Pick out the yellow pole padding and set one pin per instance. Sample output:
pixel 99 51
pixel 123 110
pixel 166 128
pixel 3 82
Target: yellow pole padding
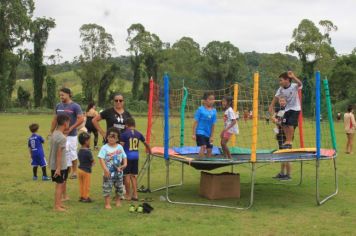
pixel 255 117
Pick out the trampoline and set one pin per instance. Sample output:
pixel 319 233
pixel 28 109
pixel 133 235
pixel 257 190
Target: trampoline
pixel 188 155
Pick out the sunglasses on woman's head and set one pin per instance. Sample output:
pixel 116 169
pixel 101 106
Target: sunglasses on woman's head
pixel 118 100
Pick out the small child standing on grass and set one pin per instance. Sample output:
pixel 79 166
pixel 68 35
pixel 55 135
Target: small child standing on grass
pixel 57 159
pixel 230 125
pixel 113 161
pixel 86 162
pixel 36 152
pixel 130 140
pixel 204 125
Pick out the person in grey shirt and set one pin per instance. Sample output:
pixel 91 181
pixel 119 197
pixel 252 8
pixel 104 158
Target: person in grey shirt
pixel 57 160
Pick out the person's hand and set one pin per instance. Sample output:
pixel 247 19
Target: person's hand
pixel 57 172
pixel 149 151
pixel 290 74
pixel 121 168
pixel 211 139
pixel 194 137
pixel 270 109
pixel 106 173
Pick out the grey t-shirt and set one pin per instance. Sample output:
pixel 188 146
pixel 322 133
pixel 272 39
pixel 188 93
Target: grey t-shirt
pixel 58 140
pixel 72 110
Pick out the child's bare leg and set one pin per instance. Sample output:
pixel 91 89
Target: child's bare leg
pixel 117 201
pixel 289 132
pixel 351 143
pixel 202 151
pixel 127 186
pixel 64 193
pixel 134 186
pixel 209 152
pixel 107 202
pixel 288 168
pixel 57 197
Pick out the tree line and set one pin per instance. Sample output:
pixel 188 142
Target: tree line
pixel 213 66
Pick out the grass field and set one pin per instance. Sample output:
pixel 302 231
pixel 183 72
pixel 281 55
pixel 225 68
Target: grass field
pixel 26 205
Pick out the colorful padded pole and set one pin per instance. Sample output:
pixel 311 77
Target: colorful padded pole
pixel 330 114
pixel 235 103
pixel 150 111
pixel 255 117
pixel 300 122
pixel 317 113
pixel 182 115
pixel 166 116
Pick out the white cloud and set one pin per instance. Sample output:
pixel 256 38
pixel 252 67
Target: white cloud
pixel 263 26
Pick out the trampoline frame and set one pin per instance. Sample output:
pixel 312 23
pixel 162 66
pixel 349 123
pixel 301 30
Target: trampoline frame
pixel 253 167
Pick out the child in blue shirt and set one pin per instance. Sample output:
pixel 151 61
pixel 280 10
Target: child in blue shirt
pixel 204 124
pixel 36 152
pixel 130 140
pixel 112 158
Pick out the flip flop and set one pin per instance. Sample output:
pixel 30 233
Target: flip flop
pixel 132 208
pixel 139 209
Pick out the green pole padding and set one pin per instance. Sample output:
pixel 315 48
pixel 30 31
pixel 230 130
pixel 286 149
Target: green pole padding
pixel 182 116
pixel 330 115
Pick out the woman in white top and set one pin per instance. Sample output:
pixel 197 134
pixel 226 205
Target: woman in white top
pixel 350 127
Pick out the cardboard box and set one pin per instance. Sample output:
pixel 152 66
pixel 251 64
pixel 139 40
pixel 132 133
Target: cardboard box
pixel 219 186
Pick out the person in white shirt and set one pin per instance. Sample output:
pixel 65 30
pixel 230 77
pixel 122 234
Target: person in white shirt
pixel 288 90
pixel 230 125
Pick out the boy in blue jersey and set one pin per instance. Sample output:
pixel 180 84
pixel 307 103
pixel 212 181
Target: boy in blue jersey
pixel 204 124
pixel 36 152
pixel 130 140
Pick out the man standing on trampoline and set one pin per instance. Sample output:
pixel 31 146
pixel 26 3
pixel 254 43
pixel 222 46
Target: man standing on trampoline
pixel 204 123
pixel 288 90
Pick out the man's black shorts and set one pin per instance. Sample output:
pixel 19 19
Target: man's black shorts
pixel 131 168
pixel 203 141
pixel 60 179
pixel 290 118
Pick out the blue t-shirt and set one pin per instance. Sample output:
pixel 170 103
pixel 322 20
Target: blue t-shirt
pixel 131 138
pixel 112 157
pixel 72 110
pixel 35 143
pixel 206 119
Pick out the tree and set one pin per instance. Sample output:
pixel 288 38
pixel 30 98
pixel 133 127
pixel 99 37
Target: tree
pixel 144 48
pixel 51 86
pixel 312 47
pixel 40 32
pixel 105 81
pixel 15 19
pixel 223 64
pixel 96 47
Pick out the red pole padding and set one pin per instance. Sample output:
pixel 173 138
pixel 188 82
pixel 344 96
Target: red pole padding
pixel 300 120
pixel 150 112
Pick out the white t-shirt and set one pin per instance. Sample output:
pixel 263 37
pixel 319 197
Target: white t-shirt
pixel 291 95
pixel 229 116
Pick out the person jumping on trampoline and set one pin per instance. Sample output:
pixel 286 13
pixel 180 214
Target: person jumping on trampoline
pixel 288 90
pixel 230 125
pixel 204 124
pixel 285 173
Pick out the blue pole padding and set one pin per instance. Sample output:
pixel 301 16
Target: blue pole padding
pixel 317 113
pixel 166 116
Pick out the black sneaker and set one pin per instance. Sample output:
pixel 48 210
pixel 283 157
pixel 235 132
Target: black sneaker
pixel 278 176
pixel 286 178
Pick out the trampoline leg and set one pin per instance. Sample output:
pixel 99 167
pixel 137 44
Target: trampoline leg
pixel 322 201
pixel 145 169
pixel 301 174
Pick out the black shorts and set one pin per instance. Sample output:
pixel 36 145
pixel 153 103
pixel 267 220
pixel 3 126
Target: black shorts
pixel 203 141
pixel 290 118
pixel 60 179
pixel 131 168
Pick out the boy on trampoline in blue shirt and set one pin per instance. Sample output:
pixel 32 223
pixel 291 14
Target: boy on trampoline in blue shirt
pixel 204 124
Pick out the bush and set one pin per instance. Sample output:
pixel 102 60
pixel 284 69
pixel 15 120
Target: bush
pixel 23 97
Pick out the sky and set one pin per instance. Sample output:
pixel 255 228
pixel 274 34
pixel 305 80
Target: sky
pixel 251 25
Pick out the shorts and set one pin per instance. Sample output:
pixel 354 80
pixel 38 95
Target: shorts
pixel 290 118
pixel 116 182
pixel 38 161
pixel 71 149
pixel 60 179
pixel 131 168
pixel 203 141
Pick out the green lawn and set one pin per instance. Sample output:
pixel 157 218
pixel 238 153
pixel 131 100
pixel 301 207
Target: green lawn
pixel 26 205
